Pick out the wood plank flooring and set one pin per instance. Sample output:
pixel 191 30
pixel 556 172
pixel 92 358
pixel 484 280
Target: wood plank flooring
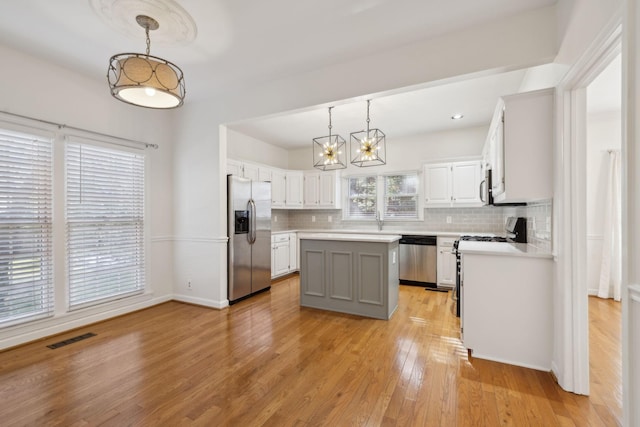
pixel 268 362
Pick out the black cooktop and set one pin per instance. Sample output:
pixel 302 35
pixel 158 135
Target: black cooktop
pixel 484 238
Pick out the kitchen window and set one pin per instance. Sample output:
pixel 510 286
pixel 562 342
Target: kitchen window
pixel 105 223
pixel 395 196
pixel 401 196
pixel 362 197
pixel 26 254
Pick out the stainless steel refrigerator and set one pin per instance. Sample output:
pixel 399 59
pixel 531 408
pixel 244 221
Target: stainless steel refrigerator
pixel 249 231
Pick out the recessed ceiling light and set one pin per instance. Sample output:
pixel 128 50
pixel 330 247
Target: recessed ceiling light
pixel 457 116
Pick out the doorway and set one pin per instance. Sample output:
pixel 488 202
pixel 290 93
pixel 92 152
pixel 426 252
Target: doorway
pixel 603 233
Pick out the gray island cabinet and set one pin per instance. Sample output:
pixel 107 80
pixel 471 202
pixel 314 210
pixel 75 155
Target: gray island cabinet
pixel 350 273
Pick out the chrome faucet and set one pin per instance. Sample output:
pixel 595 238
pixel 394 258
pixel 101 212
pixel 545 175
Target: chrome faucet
pixel 379 220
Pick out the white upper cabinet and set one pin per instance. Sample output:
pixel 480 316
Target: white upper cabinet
pixel 522 152
pixel 286 189
pixel 322 190
pixel 437 185
pixel 311 189
pixel 234 167
pixel 294 189
pixel 465 182
pixel 250 171
pixel 455 184
pixel 246 170
pixel 264 174
pixel 278 189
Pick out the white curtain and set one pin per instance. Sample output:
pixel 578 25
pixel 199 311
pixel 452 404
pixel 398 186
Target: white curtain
pixel 611 265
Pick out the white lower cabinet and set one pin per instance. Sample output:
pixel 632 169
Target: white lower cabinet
pixel 507 308
pixel 284 254
pixel 446 270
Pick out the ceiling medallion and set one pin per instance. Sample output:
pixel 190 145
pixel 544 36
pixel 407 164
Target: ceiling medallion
pixel 177 26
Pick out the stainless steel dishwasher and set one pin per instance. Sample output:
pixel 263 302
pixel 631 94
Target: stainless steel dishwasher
pixel 418 260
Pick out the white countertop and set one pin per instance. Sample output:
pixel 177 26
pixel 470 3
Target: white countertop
pixel 502 248
pixel 387 232
pixel 350 237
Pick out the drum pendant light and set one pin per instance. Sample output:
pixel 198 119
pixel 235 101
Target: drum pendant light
pixel 145 80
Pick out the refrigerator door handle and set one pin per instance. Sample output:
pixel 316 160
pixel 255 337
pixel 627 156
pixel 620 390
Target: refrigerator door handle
pixel 251 207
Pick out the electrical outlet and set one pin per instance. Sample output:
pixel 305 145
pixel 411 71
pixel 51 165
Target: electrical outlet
pixel 448 220
pixel 313 218
pixel 189 285
pixel 330 218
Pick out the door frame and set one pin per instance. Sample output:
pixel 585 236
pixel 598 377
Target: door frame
pixel 573 338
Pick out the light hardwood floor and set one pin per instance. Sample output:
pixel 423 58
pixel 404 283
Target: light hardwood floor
pixel 266 361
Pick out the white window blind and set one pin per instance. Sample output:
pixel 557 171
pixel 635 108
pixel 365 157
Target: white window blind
pixel 401 196
pixel 26 273
pixel 105 223
pixel 362 197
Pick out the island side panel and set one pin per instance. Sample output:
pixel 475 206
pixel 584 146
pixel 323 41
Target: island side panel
pixel 340 275
pixel 313 284
pixel 355 277
pixel 371 279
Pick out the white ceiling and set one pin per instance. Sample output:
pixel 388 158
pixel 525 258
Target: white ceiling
pixel 239 43
pixel 244 43
pixel 399 115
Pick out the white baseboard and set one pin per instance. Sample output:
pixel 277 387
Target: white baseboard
pixel 201 301
pixel 511 362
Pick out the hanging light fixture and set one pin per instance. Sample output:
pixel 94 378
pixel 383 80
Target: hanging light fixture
pixel 145 80
pixel 328 151
pixel 368 148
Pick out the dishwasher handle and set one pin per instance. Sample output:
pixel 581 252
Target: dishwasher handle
pixel 418 240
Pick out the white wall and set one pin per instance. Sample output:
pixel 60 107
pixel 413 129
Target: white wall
pixel 409 153
pixel 603 133
pixel 36 89
pixel 245 147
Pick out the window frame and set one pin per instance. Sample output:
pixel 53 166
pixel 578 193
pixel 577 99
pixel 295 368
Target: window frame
pixel 105 144
pixel 380 196
pixel 47 258
pixel 418 195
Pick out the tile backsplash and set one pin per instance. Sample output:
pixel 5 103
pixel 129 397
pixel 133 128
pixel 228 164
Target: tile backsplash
pixel 487 219
pixel 539 218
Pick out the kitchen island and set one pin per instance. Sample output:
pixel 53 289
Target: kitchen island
pixel 350 273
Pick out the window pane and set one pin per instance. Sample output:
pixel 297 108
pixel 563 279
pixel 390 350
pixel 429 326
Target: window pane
pixel 362 197
pixel 26 279
pixel 401 196
pixel 105 223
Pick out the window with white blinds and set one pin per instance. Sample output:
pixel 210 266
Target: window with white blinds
pixel 105 223
pixel 401 196
pixel 26 257
pixel 362 197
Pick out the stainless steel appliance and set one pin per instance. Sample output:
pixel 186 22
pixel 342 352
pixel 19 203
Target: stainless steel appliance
pixel 249 232
pixel 516 230
pixel 418 260
pixel 486 191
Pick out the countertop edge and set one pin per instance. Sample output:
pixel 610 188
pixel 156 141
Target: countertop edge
pixel 386 232
pixel 504 249
pixel 350 237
